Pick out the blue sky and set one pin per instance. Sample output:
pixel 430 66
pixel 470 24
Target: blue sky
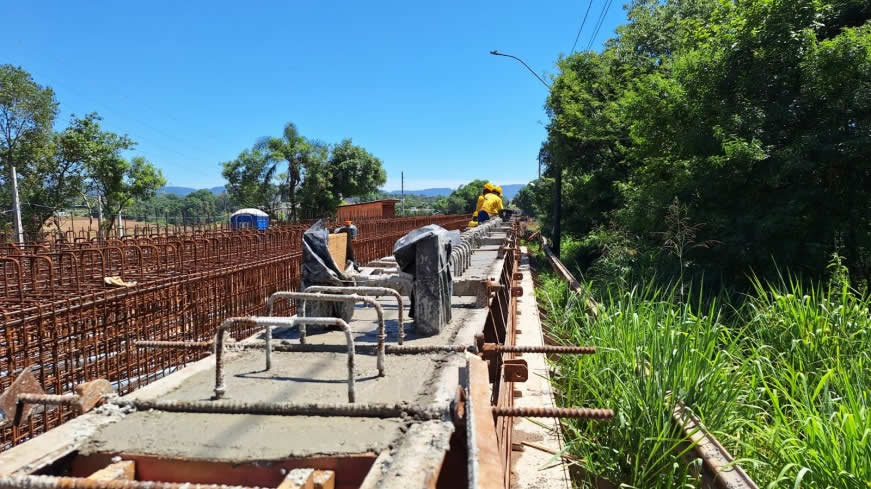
pixel 195 82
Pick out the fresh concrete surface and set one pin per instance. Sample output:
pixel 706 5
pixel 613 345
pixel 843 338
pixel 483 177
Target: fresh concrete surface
pixel 533 468
pixel 410 452
pixel 236 438
pixel 310 377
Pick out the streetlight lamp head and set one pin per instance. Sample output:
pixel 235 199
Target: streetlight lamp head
pixel 494 52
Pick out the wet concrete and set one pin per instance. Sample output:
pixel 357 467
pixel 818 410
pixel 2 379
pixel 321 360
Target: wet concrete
pixel 233 438
pixel 309 377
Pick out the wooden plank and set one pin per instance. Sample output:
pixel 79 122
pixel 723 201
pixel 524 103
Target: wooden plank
pixel 719 470
pixel 338 244
pixel 491 471
pixel 298 479
pixel 124 470
pixel 324 479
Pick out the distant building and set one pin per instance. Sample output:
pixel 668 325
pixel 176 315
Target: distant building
pixel 249 218
pixel 367 210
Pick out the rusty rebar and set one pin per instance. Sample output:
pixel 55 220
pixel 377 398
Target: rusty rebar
pixel 302 321
pixel 533 412
pixel 351 410
pixel 269 322
pixel 48 399
pixel 87 330
pixel 550 349
pixel 173 344
pixel 367 291
pixel 52 482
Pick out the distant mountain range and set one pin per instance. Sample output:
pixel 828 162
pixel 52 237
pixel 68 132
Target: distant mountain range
pixel 509 190
pixel 182 191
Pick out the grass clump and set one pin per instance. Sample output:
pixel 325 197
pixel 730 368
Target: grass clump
pixel 782 379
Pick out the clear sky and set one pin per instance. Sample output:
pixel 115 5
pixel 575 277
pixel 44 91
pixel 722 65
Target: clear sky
pixel 196 82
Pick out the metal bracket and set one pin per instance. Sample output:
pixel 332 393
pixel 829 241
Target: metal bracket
pixel 517 291
pixel 515 369
pixel 25 383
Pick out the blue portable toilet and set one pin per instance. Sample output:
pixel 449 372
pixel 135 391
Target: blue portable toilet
pixel 249 218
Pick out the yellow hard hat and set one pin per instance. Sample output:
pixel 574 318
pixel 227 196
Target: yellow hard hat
pixel 498 189
pixel 489 186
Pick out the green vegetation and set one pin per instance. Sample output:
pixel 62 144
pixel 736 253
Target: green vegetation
pixel 82 163
pixel 753 115
pixel 782 377
pixel 316 177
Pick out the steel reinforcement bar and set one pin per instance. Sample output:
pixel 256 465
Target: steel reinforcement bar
pixel 92 333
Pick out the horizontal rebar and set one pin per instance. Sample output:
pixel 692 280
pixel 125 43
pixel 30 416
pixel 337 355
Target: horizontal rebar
pixel 361 349
pixel 50 399
pixel 51 482
pixel 533 412
pixel 580 350
pixel 173 344
pixel 362 410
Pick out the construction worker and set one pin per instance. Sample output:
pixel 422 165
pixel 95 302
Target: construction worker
pixel 491 206
pixel 488 188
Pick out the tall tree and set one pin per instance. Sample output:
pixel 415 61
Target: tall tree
pixel 27 112
pixel 291 149
pixel 251 180
pixel 114 179
pixel 354 171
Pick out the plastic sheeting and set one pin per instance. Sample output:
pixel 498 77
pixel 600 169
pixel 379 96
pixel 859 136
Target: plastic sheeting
pixel 425 254
pixel 404 250
pixel 319 268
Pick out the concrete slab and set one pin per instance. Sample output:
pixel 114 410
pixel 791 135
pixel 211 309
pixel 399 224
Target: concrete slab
pixel 238 438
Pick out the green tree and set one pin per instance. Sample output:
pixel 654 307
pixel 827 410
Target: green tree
pixel 329 174
pixel 354 172
pixel 756 115
pixel 27 113
pixel 463 199
pixel 251 180
pixel 290 148
pixel 118 182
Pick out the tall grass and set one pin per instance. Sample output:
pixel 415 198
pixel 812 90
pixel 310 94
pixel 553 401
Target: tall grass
pixel 782 380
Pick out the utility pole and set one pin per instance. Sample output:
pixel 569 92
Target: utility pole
pixel 16 208
pixel 120 226
pixel 100 217
pixel 402 191
pixel 557 207
pixel 557 166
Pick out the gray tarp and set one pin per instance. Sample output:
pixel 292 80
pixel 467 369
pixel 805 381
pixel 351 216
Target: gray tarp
pixel 425 254
pixel 319 268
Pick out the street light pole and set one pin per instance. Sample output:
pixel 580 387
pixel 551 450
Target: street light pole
pixel 497 53
pixel 558 170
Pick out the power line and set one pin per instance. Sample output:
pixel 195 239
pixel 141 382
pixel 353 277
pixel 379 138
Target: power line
pixel 599 25
pixel 582 27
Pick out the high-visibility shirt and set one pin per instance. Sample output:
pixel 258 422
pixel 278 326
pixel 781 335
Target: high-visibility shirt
pixel 479 205
pixel 492 204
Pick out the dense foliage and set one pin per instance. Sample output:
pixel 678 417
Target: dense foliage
pixel 783 380
pixel 753 116
pixel 82 164
pixel 296 177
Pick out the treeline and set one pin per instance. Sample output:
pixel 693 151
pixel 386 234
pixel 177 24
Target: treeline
pixel 293 177
pixel 79 165
pixel 199 207
pixel 717 137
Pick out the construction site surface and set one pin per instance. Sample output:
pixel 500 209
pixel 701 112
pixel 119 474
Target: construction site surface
pixel 436 410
